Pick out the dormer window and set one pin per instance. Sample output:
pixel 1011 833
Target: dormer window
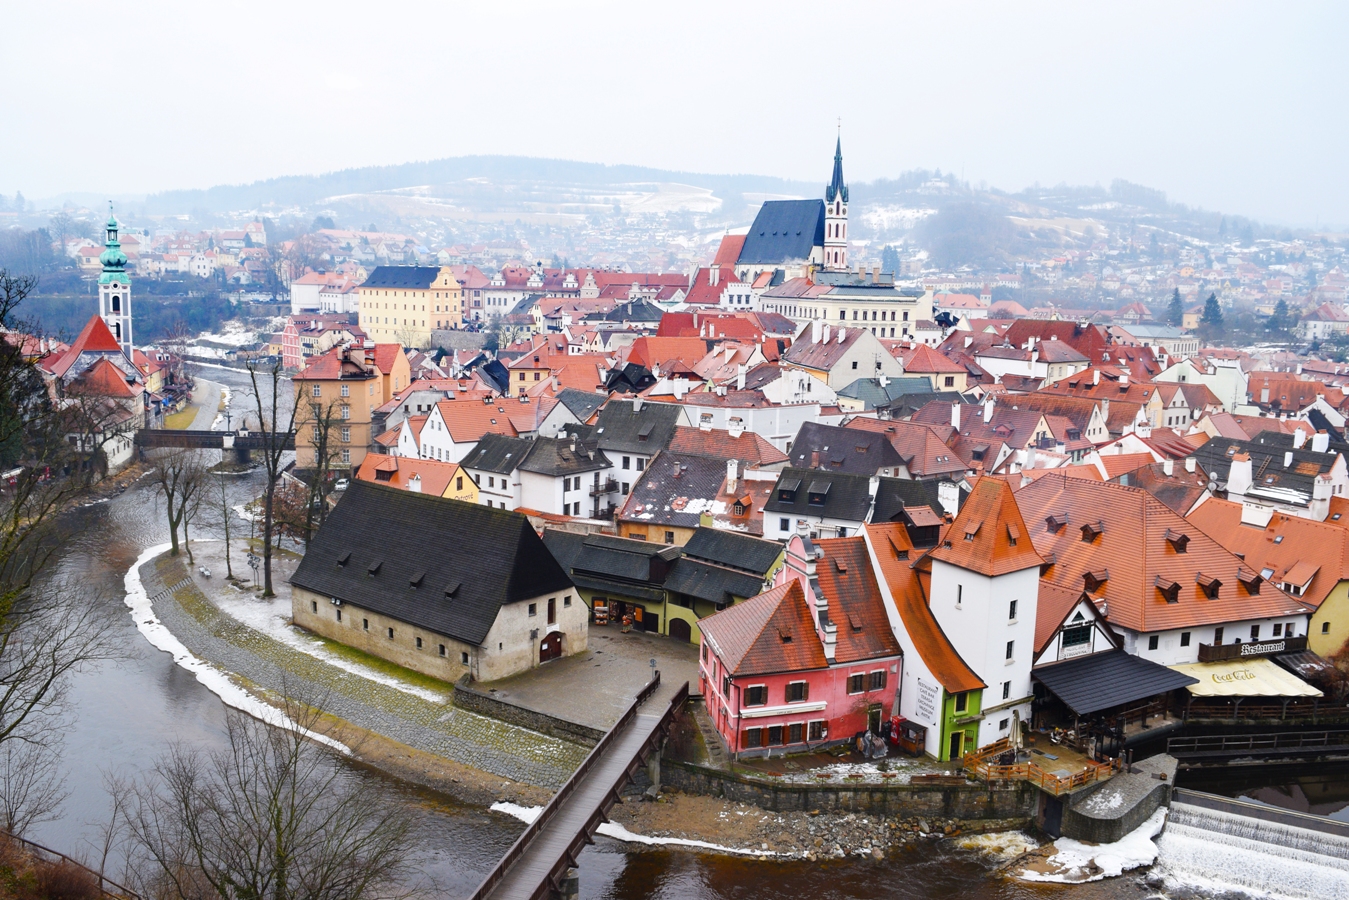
pixel 1054 524
pixel 1013 534
pixel 972 529
pixel 1170 589
pixel 1177 540
pixel 1095 579
pixel 1208 584
pixel 819 491
pixel 1251 580
pixel 1091 531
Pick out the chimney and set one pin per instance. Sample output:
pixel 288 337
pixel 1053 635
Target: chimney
pixel 815 331
pixel 1239 477
pixel 1287 458
pixel 636 405
pixel 1189 464
pixel 714 275
pixel 955 415
pixel 883 379
pixel 840 334
pixel 1321 442
pixel 735 426
pixel 415 484
pixel 731 476
pixel 1168 467
pixel 1095 376
pixel 740 378
pixel 988 409
pixel 824 333
pixel 1299 438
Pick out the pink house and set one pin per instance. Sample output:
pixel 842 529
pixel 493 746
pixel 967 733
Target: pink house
pixel 810 662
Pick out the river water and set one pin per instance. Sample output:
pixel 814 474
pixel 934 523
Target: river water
pixel 130 712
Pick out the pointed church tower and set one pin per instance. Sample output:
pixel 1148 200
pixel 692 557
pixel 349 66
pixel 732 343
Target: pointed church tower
pixel 114 288
pixel 836 217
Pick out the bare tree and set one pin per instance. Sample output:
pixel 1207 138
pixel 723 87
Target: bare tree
pixel 319 425
pixel 272 816
pixel 276 426
pixel 224 510
pixel 32 788
pixel 179 478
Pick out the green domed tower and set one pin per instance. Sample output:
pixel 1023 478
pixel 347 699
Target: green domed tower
pixel 114 288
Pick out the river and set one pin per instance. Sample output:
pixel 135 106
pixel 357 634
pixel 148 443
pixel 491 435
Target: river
pixel 131 712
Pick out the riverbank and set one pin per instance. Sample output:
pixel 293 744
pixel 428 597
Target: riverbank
pixel 400 727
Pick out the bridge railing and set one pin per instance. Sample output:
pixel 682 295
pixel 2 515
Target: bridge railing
pixel 531 831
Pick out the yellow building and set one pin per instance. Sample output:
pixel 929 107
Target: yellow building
pixel 337 392
pixel 404 304
pixel 426 476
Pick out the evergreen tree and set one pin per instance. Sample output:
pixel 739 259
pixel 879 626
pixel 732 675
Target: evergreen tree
pixel 1212 320
pixel 1175 311
pixel 890 260
pixel 1278 320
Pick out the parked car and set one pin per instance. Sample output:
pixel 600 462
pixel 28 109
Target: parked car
pixel 342 484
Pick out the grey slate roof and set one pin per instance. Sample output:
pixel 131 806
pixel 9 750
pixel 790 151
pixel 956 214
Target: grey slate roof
pixel 645 431
pixel 1099 681
pixel 443 565
pixel 407 277
pixel 873 394
pixel 729 548
pixel 1267 469
pixel 784 230
pixel 581 404
pixel 502 454
pixel 846 497
pixel 833 448
pixel 629 311
pixel 612 565
pixel 662 497
pixel 896 494
pixel 715 584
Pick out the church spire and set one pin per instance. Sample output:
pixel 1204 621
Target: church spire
pixel 836 187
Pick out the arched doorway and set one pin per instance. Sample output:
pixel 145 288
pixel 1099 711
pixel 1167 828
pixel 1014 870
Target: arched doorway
pixel 550 647
pixel 680 630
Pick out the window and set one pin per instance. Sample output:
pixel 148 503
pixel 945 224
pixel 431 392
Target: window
pixel 346 434
pixel 1325 628
pixel 1217 637
pixel 1011 611
pixel 339 615
pixel 625 487
pixel 1006 690
pixel 753 738
pixel 317 390
pixel 1278 629
pixel 756 695
pixel 346 390
pixel 459 483
pixel 1255 632
pixel 775 735
pixel 1185 639
pixel 1003 724
pixel 566 602
pixel 314 605
pixel 854 363
pixel 419 643
pixel 533 609
pixel 669 537
pixel 960 593
pixel 877 681
pixel 1152 642
pixel 346 457
pixel 1011 648
pixel 816 730
pixel 365 624
pixel 797 692
pixel 346 412
pixel 627 462
pixel 950 381
pixel 390 630
pixel 784 525
pixel 641 464
pixel 1077 636
pixel 795 733
pixel 962 703
pixel 856 683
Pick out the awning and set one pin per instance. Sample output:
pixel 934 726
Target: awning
pixel 1244 678
pixel 1100 681
pixel 1305 665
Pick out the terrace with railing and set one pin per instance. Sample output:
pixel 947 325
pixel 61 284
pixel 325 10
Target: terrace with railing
pixel 985 764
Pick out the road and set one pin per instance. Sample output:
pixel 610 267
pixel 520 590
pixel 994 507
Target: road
pixel 206 398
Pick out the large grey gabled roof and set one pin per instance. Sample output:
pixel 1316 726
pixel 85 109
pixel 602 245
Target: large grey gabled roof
pixel 498 453
pixel 784 230
pixel 730 548
pixel 408 277
pixel 646 429
pixel 443 565
pixel 581 404
pixel 846 497
pixel 834 448
pixel 502 454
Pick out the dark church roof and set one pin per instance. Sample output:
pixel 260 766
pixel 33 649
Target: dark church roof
pixel 443 565
pixel 784 230
pixel 412 277
pixel 836 187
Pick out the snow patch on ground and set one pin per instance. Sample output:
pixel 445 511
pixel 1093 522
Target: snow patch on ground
pixel 1103 801
pixel 272 618
pixel 1076 862
pixel 225 400
pixel 215 680
pixel 528 814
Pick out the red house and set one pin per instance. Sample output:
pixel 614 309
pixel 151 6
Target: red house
pixel 811 662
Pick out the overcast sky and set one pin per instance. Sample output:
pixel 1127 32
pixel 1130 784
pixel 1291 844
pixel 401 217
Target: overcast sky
pixel 1240 107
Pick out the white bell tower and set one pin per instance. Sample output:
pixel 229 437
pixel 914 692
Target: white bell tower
pixel 836 217
pixel 114 289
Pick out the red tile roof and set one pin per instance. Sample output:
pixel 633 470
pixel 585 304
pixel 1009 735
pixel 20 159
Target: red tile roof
pixel 435 476
pixel 989 536
pixel 103 379
pixel 749 447
pixel 855 604
pixel 95 337
pixel 728 251
pixel 1129 539
pixel 890 542
pixel 773 632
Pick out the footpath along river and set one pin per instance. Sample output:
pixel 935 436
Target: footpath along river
pixel 130 712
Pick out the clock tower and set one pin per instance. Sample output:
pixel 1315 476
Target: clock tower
pixel 836 217
pixel 114 288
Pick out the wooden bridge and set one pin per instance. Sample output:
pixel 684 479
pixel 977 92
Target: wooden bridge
pixel 243 443
pixel 537 864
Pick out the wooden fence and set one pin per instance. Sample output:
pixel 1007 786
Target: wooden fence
pixel 106 886
pixel 980 764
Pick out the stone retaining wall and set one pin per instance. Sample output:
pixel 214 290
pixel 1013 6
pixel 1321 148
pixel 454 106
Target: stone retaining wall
pixel 468 697
pixel 1006 800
